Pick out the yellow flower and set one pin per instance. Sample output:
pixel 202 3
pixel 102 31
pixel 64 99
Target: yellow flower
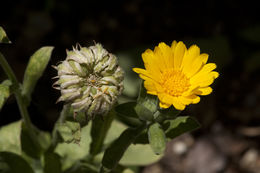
pixel 177 75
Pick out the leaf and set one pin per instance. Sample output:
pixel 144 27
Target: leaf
pixel 116 150
pixel 52 163
pixel 82 167
pixel 30 147
pixel 5 92
pixel 70 131
pixel 34 70
pixel 71 153
pixel 139 155
pixel 99 129
pixel 127 114
pixel 10 137
pixel 157 138
pixel 13 163
pixel 3 36
pixel 180 125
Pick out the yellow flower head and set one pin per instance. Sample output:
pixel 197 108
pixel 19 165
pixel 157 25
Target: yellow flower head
pixel 177 75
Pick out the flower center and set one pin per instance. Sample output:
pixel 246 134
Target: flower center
pixel 174 82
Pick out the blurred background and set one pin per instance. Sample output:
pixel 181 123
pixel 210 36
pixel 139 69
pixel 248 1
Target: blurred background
pixel 229 139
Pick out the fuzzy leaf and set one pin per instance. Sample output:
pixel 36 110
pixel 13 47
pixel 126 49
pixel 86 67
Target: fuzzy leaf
pixel 3 36
pixel 10 137
pixel 157 138
pixel 13 163
pixel 180 125
pixel 30 147
pixel 4 92
pixel 34 70
pixel 139 155
pixel 69 131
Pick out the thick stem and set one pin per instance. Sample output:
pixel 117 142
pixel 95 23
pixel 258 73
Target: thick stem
pixel 22 107
pixel 99 129
pixel 65 111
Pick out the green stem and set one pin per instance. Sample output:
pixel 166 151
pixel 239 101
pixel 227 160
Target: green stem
pixel 99 129
pixel 15 84
pixel 65 111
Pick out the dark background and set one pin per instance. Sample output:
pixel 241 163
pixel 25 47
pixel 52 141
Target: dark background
pixel 228 30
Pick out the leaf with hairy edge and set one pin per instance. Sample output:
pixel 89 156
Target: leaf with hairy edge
pixel 10 137
pixel 180 125
pixel 5 92
pixel 34 70
pixel 157 138
pixel 3 36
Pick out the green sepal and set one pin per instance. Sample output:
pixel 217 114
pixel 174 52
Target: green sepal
pixel 179 126
pixel 3 36
pixel 37 64
pixel 146 105
pixel 157 138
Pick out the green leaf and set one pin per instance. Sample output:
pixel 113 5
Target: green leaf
pixel 82 167
pixel 157 138
pixel 29 146
pixel 116 150
pixel 180 125
pixel 127 114
pixel 13 163
pixel 99 129
pixel 139 155
pixel 52 163
pixel 71 152
pixel 5 92
pixel 34 70
pixel 3 36
pixel 10 137
pixel 69 131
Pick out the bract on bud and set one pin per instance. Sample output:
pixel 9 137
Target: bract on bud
pixel 90 80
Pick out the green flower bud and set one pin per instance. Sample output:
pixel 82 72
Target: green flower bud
pixel 90 80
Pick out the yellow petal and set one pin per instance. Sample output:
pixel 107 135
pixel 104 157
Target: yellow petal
pixel 178 54
pixel 173 46
pixel 168 99
pixel 150 64
pixel 204 80
pixel 192 53
pixel 194 67
pixel 149 86
pixel 204 57
pixel 164 105
pixel 167 55
pixel 204 91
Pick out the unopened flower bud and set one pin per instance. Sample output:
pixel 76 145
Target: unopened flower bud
pixel 90 80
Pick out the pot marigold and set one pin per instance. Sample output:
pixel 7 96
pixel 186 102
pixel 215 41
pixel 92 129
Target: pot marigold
pixel 177 75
